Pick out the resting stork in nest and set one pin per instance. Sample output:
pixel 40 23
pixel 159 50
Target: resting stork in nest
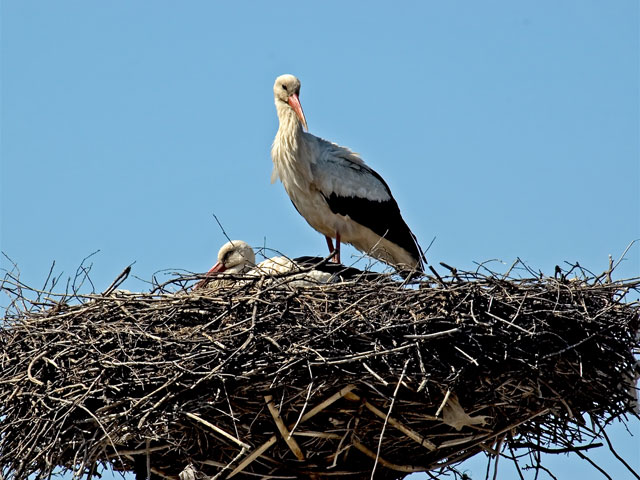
pixel 238 258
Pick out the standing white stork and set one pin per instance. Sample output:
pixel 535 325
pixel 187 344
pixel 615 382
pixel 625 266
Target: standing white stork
pixel 335 191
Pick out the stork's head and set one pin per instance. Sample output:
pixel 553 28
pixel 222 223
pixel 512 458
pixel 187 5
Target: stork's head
pixel 286 91
pixel 235 256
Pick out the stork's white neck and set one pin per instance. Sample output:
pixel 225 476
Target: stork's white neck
pixel 290 125
pixel 287 146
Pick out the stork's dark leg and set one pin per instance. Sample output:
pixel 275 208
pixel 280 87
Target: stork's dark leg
pixel 330 244
pixel 334 251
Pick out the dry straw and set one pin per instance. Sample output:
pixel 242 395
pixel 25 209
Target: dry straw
pixel 365 379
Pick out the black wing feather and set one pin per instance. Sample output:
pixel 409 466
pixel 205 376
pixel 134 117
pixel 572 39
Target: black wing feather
pixel 338 270
pixel 383 218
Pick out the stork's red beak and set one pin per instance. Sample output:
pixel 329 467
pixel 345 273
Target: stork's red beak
pixel 294 102
pixel 217 268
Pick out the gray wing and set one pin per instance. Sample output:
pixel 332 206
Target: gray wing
pixel 352 188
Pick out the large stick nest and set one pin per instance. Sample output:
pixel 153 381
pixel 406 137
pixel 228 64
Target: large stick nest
pixel 262 379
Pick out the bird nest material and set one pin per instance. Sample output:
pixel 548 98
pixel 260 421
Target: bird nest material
pixel 366 379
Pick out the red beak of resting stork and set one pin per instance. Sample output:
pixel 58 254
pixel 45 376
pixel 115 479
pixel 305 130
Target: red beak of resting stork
pixel 217 268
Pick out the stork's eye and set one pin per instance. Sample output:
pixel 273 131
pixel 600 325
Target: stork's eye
pixel 284 86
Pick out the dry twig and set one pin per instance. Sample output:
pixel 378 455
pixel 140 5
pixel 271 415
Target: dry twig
pixel 181 379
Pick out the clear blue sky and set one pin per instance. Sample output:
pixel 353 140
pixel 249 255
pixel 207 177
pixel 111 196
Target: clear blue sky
pixel 504 128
